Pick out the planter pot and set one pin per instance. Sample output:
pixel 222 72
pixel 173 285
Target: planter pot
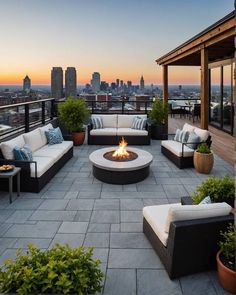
pixel 227 277
pixel 159 131
pixel 203 163
pixel 78 138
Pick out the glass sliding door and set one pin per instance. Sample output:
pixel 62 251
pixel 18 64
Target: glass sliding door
pixel 227 98
pixel 215 99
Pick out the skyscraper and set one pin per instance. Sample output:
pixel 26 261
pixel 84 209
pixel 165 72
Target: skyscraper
pixel 27 84
pixel 57 82
pixel 117 83
pixel 142 83
pixel 95 82
pixel 70 82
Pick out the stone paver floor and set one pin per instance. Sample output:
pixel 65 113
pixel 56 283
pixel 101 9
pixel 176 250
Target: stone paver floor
pixel 77 209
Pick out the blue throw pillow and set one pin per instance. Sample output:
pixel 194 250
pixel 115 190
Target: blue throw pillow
pixel 194 139
pixel 177 135
pixel 23 154
pixel 54 136
pixel 206 200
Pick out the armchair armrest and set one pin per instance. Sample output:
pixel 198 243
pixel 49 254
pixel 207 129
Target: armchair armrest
pixel 90 127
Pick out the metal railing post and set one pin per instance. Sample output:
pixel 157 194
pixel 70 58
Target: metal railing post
pixel 43 112
pixel 27 121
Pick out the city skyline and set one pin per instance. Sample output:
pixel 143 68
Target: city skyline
pixel 117 40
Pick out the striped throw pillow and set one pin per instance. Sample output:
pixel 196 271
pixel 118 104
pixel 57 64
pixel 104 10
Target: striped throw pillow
pixel 139 123
pixel 97 122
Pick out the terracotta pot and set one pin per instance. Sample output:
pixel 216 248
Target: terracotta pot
pixel 227 277
pixel 203 163
pixel 78 138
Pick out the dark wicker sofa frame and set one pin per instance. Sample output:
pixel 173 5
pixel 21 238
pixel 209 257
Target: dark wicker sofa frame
pixel 192 244
pixel 33 184
pixel 111 139
pixel 182 162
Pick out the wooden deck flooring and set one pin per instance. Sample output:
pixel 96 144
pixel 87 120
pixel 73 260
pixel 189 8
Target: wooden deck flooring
pixel 223 144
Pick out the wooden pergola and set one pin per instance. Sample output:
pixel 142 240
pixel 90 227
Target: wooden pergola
pixel 214 44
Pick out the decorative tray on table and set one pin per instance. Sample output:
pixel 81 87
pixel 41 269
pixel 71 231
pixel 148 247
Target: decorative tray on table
pixel 6 168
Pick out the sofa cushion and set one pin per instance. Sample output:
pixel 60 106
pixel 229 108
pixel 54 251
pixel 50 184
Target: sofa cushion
pixel 42 131
pixel 104 131
pixel 55 154
pixel 34 139
pixel 43 164
pixel 156 217
pixel 8 146
pixel 139 123
pixel 131 132
pixel 109 121
pixel 54 136
pixel 203 134
pixel 126 121
pixel 176 148
pixel 190 212
pixel 97 122
pixel 64 146
pixel 188 127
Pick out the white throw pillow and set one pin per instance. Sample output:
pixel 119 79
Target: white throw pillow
pixel 190 212
pixel 42 132
pixel 8 146
pixel 203 134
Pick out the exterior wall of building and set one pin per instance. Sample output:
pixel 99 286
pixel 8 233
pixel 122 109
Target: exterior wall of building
pixel 57 82
pixel 95 82
pixel 70 82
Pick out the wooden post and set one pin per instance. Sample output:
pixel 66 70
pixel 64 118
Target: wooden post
pixel 165 89
pixel 204 89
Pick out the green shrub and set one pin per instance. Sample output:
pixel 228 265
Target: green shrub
pixel 219 189
pixel 59 270
pixel 227 245
pixel 73 112
pixel 203 148
pixel 159 112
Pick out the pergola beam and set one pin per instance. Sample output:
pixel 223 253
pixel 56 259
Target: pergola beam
pixel 204 89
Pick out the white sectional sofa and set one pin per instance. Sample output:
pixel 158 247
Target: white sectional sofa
pixel 47 159
pixel 180 153
pixel 115 127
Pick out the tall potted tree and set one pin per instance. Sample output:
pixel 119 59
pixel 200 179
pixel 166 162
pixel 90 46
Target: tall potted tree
pixel 73 113
pixel 159 117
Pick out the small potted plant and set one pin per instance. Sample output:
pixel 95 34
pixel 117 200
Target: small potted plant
pixel 73 113
pixel 226 260
pixel 203 159
pixel 218 189
pixel 159 117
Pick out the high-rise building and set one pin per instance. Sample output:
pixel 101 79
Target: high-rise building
pixel 129 85
pixel 70 82
pixel 95 82
pixel 142 83
pixel 26 84
pixel 117 83
pixel 57 82
pixel 121 83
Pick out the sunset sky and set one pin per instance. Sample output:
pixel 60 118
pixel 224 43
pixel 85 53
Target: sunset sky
pixel 118 38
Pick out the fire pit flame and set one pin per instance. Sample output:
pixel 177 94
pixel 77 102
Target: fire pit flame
pixel 121 152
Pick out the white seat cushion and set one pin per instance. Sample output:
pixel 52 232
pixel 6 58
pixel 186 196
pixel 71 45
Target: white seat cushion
pixel 156 217
pixel 104 131
pixel 34 139
pixel 43 164
pixel 8 146
pixel 42 132
pixel 126 121
pixel 109 121
pixel 176 148
pixel 190 212
pixel 55 154
pixel 64 146
pixel 203 134
pixel 131 132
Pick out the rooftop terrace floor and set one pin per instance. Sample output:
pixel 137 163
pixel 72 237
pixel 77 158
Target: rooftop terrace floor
pixel 77 209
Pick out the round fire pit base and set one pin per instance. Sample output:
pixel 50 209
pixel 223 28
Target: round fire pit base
pixel 120 172
pixel 117 177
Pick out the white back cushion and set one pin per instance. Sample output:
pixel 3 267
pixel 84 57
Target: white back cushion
pixel 188 127
pixel 42 132
pixel 126 121
pixel 34 139
pixel 8 146
pixel 109 121
pixel 203 134
pixel 190 212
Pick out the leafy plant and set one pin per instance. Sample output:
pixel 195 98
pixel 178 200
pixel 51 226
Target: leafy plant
pixel 219 189
pixel 227 245
pixel 159 112
pixel 203 148
pixel 73 113
pixel 59 270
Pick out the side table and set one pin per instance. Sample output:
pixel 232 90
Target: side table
pixel 9 175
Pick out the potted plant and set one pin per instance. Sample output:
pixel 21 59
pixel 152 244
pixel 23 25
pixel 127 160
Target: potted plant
pixel 226 260
pixel 203 159
pixel 73 112
pixel 218 189
pixel 159 117
pixel 58 270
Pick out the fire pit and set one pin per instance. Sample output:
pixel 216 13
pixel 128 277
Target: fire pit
pixel 120 166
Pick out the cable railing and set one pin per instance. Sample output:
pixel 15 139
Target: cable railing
pixel 21 117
